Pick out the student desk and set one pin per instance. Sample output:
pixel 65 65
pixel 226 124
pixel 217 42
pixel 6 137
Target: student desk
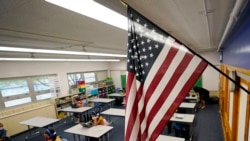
pixel 169 138
pixel 116 95
pixel 191 99
pixel 119 97
pixel 114 112
pixel 40 122
pixel 102 100
pixel 187 105
pixel 108 101
pixel 79 110
pixel 187 119
pixel 94 132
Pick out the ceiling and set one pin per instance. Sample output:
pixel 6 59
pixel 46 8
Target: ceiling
pixel 199 24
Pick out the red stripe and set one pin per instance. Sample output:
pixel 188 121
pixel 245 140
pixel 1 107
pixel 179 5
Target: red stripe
pixel 167 90
pixel 192 80
pixel 155 81
pixel 134 110
pixel 129 127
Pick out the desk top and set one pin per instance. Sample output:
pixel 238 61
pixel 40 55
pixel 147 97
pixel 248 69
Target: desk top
pixel 187 105
pixel 169 138
pixel 185 118
pixel 39 121
pixel 76 110
pixel 95 131
pixel 116 95
pixel 114 112
pixel 102 100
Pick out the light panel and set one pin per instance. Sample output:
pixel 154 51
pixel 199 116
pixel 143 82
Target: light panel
pixel 30 50
pixel 94 10
pixel 58 60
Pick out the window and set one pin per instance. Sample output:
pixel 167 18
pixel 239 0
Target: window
pixel 18 91
pixel 41 84
pixel 17 102
pixel 13 87
pixel 89 77
pixel 73 78
pixel 44 87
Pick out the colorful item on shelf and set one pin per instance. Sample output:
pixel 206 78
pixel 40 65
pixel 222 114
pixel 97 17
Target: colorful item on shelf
pixel 81 86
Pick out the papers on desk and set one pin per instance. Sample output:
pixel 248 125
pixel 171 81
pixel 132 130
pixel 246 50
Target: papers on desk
pixel 169 138
pixel 179 116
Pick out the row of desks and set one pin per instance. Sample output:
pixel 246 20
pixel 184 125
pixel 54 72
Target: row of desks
pixel 101 130
pixel 79 130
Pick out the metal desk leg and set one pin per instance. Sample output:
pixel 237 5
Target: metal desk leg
pixel 79 137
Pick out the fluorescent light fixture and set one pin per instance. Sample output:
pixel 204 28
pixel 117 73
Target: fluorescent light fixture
pixel 94 10
pixel 59 60
pixel 30 50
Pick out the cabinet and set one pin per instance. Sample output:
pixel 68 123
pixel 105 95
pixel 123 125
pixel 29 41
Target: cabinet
pixel 104 91
pixel 101 89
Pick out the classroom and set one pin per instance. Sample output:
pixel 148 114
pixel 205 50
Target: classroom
pixel 51 55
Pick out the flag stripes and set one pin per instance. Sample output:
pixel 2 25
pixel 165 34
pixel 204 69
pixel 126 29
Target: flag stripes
pixel 161 72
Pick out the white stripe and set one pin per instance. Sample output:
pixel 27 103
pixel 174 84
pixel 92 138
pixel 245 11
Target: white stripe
pixel 164 81
pixel 153 71
pixel 174 93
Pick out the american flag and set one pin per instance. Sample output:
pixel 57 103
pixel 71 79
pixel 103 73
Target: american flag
pixel 160 73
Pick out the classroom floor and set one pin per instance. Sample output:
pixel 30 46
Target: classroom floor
pixel 207 127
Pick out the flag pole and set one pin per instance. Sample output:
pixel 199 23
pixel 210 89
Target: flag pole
pixel 213 66
pixel 124 3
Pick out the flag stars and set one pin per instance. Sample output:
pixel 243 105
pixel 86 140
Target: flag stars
pixel 146 64
pixel 138 20
pixel 148 40
pixel 156 46
pixel 142 42
pixel 131 66
pixel 151 55
pixel 141 35
pixel 132 40
pixel 150 48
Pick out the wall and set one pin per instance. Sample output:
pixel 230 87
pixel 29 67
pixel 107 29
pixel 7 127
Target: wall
pixel 236 49
pixel 210 77
pixel 17 69
pixel 234 105
pixel 116 70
